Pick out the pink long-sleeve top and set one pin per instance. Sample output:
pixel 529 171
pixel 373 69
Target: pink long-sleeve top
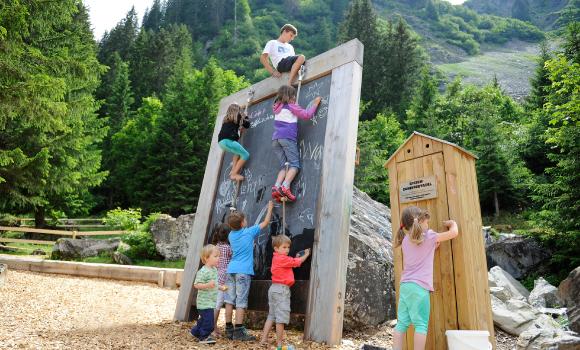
pixel 286 119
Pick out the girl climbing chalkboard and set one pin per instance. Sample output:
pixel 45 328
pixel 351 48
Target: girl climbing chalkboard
pixel 285 138
pixel 229 136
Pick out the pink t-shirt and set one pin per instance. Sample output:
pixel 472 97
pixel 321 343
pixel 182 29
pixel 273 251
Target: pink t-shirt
pixel 418 260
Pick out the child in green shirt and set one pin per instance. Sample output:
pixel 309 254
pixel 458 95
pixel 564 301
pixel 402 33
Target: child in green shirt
pixel 206 283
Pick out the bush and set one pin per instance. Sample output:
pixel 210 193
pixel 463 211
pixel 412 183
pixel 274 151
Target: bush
pixel 125 219
pixel 142 245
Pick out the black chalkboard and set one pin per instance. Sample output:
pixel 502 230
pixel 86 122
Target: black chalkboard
pixel 260 174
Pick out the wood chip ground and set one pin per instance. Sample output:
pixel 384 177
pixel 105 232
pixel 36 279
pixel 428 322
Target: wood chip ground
pixel 45 311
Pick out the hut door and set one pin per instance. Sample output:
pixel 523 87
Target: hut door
pixel 443 304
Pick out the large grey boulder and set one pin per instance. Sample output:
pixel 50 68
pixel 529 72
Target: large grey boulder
pixel 70 249
pixel 516 254
pixel 3 273
pixel 370 290
pixel 499 278
pixel 569 291
pixel 171 235
pixel 513 316
pixel 547 334
pixel 544 295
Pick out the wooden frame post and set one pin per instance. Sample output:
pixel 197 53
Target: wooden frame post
pixel 329 261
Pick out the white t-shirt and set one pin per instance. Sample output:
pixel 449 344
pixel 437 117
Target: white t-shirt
pixel 277 50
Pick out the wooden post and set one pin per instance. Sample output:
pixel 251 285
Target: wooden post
pixel 328 273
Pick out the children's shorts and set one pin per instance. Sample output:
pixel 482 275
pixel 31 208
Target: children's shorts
pixel 279 303
pixel 287 151
pixel 235 148
pixel 285 64
pixel 238 289
pixel 220 301
pixel 414 306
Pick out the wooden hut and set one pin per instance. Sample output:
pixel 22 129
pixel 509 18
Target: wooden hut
pixel 439 176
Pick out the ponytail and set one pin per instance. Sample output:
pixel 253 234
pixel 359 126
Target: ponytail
pixel 411 219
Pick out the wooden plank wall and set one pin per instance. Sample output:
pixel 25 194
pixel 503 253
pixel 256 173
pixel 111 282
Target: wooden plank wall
pixel 470 265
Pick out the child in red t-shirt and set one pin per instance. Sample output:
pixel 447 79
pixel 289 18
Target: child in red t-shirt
pixel 279 292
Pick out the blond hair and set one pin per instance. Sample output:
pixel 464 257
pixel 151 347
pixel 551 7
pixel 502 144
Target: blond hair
pixel 233 114
pixel 277 241
pixel 411 219
pixel 288 28
pixel 236 219
pixel 206 252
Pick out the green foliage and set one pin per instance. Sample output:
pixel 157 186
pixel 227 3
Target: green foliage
pixel 559 196
pixel 49 130
pixel 142 245
pixel 393 58
pixel 378 139
pixel 125 219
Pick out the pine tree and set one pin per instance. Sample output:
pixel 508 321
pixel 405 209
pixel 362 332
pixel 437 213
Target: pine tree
pixel 402 62
pixel 50 132
pixel 120 39
pixel 180 141
pixel 560 195
pixel 154 58
pixel 418 116
pixel 378 139
pixel 153 18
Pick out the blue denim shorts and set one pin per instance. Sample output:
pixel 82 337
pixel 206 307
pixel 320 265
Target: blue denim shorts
pixel 287 151
pixel 238 289
pixel 235 148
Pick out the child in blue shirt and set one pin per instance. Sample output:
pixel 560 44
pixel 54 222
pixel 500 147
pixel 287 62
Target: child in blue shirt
pixel 240 271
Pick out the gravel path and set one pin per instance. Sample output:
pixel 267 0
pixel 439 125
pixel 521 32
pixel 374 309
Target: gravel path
pixel 44 311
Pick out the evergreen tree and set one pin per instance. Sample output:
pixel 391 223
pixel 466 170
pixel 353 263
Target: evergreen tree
pixel 49 130
pixel 120 39
pixel 130 148
pixel 378 139
pixel 361 22
pixel 154 58
pixel 418 116
pixel 117 110
pixel 180 142
pixel 401 65
pixel 153 18
pixel 560 195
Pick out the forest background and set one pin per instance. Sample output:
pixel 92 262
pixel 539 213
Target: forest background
pixel 91 124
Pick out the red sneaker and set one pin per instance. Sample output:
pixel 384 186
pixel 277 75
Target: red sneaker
pixel 285 192
pixel 276 194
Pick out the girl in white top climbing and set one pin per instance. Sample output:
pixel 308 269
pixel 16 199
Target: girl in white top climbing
pixel 285 138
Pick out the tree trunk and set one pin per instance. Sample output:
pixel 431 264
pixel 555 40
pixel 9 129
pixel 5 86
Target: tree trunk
pixel 39 221
pixel 496 204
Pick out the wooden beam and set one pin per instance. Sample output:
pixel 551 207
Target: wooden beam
pixel 328 272
pixel 36 230
pixel 17 240
pixel 351 51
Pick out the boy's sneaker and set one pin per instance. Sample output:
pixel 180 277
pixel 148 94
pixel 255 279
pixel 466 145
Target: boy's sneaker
pixel 276 193
pixel 208 340
pixel 285 192
pixel 230 332
pixel 285 347
pixel 241 333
